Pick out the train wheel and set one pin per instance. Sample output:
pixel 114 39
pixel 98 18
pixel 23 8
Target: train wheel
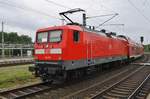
pixel 61 78
pixel 46 80
pixel 78 74
pixel 99 68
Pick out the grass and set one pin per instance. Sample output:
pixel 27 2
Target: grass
pixel 15 76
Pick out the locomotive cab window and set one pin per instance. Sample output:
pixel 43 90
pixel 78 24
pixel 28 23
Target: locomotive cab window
pixel 42 37
pixel 55 36
pixel 76 36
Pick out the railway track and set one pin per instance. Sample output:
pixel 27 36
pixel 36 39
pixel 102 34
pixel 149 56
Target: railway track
pixel 25 91
pixel 42 88
pixel 33 90
pixel 143 89
pixel 74 86
pixel 124 88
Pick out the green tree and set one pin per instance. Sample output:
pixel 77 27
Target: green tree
pixel 14 38
pixel 147 48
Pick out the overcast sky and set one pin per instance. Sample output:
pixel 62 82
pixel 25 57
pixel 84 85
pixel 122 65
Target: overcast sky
pixel 26 16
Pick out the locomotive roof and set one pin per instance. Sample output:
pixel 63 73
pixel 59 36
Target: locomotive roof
pixel 73 27
pixel 81 28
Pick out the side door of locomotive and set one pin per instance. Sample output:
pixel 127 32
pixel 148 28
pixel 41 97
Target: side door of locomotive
pixel 77 44
pixel 88 47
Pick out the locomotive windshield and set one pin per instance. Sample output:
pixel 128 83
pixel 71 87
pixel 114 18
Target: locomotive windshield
pixel 42 37
pixel 55 36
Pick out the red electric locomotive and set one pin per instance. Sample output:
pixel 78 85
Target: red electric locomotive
pixel 61 49
pixel 69 50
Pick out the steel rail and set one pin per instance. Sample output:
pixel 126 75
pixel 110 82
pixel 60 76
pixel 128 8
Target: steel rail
pixel 139 87
pixel 105 90
pixel 24 91
pixel 73 94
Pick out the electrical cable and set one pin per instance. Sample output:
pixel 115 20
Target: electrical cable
pixel 107 20
pixel 28 9
pixel 60 5
pixel 139 11
pixel 100 16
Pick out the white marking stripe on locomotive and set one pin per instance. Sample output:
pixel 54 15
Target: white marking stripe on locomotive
pixel 56 51
pixel 39 51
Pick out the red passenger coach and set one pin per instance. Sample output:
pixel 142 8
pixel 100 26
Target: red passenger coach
pixel 135 49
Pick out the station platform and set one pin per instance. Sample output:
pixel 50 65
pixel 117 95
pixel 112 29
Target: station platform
pixel 143 64
pixel 16 60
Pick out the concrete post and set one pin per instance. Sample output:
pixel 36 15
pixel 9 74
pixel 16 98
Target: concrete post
pixel 3 50
pixel 21 52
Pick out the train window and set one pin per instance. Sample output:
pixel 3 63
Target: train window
pixel 76 36
pixel 55 36
pixel 42 37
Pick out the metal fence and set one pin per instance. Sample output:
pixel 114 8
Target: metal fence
pixel 10 50
pixel 16 46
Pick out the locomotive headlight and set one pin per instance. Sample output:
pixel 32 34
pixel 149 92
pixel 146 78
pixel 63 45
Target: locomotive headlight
pixel 56 51
pixel 39 51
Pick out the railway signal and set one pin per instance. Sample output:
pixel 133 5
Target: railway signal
pixel 142 39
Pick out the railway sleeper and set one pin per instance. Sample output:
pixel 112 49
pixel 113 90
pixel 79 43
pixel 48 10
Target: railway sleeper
pixel 115 95
pixel 120 92
pixel 121 89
